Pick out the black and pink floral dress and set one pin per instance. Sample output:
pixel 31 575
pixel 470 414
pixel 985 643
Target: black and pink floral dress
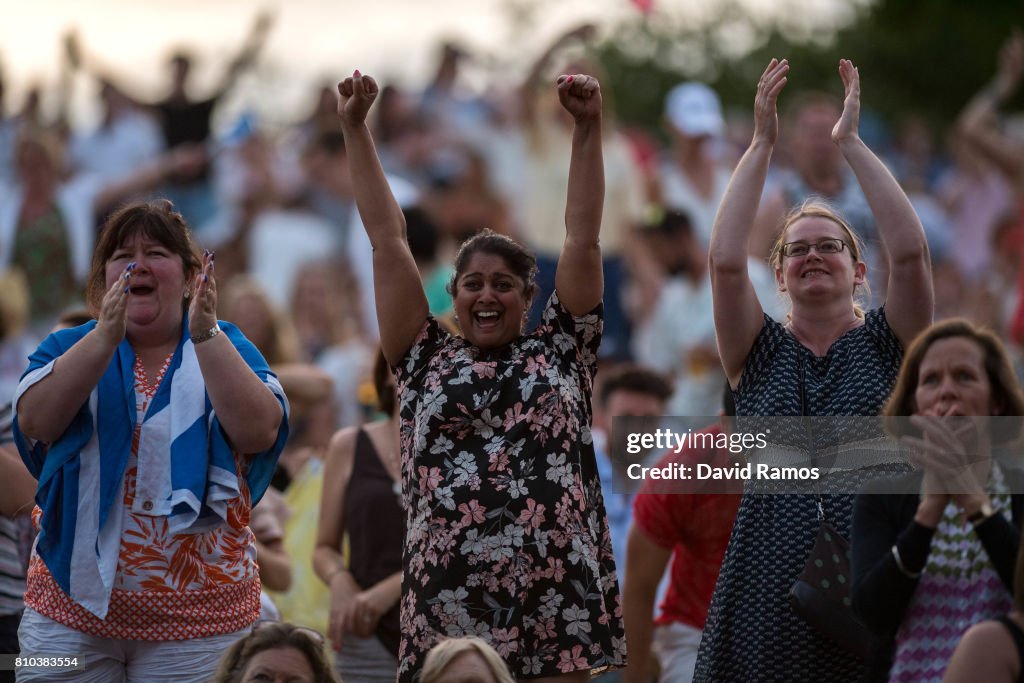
pixel 506 531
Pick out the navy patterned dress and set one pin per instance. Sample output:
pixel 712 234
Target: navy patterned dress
pixel 507 537
pixel 751 632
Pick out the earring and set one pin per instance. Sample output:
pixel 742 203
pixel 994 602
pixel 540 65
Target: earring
pixel 187 294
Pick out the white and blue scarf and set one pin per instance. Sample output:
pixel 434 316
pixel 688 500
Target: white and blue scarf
pixel 186 467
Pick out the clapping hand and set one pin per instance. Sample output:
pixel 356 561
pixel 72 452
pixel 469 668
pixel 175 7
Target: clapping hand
pixel 202 313
pixel 112 322
pixel 766 117
pixel 847 126
pixel 355 96
pixel 580 95
pixel 955 454
pixel 1011 65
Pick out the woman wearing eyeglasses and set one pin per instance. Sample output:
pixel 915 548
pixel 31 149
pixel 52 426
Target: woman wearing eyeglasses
pixel 828 359
pixel 277 651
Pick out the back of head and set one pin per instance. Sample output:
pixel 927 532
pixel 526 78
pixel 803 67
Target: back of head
pixel 633 378
pixel 421 233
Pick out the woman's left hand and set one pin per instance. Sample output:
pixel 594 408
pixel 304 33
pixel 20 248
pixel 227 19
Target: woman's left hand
pixel 580 95
pixel 202 313
pixel 847 126
pixel 368 607
pixel 957 453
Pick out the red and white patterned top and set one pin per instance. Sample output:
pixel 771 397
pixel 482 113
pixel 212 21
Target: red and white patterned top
pixel 167 586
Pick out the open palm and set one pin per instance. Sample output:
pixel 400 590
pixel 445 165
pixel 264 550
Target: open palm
pixel 848 124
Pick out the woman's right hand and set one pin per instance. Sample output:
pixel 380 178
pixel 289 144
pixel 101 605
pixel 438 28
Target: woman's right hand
pixel 766 118
pixel 343 592
pixel 954 453
pixel 848 125
pixel 355 96
pixel 112 322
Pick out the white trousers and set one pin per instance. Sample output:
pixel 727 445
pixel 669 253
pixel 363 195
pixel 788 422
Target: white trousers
pixel 108 660
pixel 676 646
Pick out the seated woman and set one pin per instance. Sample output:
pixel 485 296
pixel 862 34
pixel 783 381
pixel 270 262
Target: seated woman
pixel 926 566
pixel 277 651
pixel 151 431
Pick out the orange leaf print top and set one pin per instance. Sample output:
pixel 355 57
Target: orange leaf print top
pixel 168 586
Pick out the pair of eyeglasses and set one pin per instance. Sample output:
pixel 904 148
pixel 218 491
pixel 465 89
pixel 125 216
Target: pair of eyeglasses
pixel 829 245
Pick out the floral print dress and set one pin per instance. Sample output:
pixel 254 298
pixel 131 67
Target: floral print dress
pixel 506 531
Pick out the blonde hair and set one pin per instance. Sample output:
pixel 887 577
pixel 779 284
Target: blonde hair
pixel 446 651
pixel 818 208
pixel 46 141
pixel 14 302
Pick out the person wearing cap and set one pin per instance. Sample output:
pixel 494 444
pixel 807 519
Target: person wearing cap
pixel 692 179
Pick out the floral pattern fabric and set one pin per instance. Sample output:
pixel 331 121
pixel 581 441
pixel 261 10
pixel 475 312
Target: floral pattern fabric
pixel 507 537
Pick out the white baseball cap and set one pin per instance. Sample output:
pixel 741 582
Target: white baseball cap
pixel 694 109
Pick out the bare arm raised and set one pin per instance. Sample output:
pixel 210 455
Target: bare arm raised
pixel 738 313
pixel 401 304
pixel 979 120
pixel 910 300
pixel 579 279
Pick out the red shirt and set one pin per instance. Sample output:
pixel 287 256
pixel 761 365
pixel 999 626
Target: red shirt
pixel 696 527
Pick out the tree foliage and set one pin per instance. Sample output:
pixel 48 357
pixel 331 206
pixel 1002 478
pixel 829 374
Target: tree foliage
pixel 922 57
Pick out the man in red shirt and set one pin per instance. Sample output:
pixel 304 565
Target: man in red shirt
pixel 692 529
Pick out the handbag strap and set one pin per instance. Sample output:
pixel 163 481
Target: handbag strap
pixel 809 429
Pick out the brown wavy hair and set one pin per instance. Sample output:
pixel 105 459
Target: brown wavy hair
pixel 1006 391
pixel 269 636
pixel 154 220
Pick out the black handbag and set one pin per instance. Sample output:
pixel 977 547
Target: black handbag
pixel 821 594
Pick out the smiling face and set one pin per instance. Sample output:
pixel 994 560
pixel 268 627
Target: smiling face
pixel 816 275
pixel 278 665
pixel 490 301
pixel 158 283
pixel 952 380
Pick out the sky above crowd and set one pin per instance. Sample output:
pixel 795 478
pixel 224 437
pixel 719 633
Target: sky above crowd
pixel 312 41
